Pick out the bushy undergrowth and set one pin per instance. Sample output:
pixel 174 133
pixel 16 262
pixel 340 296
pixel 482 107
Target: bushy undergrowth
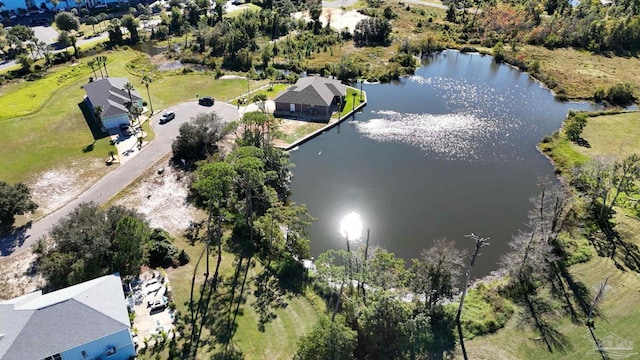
pixel 485 310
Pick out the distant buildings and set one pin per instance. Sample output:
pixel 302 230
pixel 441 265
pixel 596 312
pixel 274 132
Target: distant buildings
pixel 15 6
pixel 87 321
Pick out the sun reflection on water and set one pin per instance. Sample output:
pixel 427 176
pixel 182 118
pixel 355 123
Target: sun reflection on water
pixel 351 226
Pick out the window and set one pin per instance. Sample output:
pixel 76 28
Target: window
pixel 54 357
pixel 110 351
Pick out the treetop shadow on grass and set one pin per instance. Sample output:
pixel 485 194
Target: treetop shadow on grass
pixel 96 129
pixel 608 243
pixel 536 310
pixel 12 238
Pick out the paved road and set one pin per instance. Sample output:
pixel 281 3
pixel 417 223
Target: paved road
pixel 118 179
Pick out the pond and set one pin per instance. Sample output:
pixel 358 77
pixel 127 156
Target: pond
pixel 441 154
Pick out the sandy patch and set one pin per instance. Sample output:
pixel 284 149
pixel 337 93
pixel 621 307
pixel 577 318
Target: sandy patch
pixel 18 276
pixel 162 199
pixel 56 187
pixel 338 18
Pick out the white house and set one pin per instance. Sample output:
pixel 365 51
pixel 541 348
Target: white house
pixel 113 97
pixel 81 322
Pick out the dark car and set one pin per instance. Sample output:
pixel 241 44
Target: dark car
pixel 166 117
pixel 125 129
pixel 206 101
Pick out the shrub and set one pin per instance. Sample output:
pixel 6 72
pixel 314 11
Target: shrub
pixel 599 95
pixel 183 257
pixel 620 94
pixel 162 252
pixel 498 52
pixel 485 311
pixel 577 250
pixel 574 125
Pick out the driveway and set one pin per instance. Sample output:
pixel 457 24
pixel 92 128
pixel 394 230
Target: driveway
pixel 112 183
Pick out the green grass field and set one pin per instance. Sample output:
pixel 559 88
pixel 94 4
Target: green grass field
pixel 278 341
pixel 43 126
pixel 609 135
pixel 352 100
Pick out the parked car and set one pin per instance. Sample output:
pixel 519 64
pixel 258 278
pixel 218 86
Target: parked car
pixel 166 117
pixel 206 101
pixel 158 304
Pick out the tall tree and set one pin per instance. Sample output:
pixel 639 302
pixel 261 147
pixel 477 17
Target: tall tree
pixel 197 139
pixel 129 86
pixel 131 235
pixel 66 21
pixel 92 65
pixel 14 200
pixel 90 242
pixel 131 24
pixel 147 80
pixel 434 275
pixel 480 242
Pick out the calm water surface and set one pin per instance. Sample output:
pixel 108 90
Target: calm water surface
pixel 446 152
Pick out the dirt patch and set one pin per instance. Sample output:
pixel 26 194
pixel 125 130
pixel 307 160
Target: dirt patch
pixel 56 187
pixel 162 199
pixel 18 276
pixel 338 18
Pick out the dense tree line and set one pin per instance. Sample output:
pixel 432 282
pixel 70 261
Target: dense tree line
pixel 552 23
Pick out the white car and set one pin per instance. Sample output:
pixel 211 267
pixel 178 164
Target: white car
pixel 166 117
pixel 158 304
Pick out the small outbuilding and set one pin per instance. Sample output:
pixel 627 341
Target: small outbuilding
pixel 111 95
pixel 312 97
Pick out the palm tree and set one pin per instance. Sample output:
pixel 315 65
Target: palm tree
pixel 146 80
pixel 129 86
pixel 97 113
pixel 102 60
pixel 92 64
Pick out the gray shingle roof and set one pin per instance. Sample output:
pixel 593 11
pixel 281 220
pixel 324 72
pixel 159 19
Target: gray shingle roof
pixel 313 90
pixel 111 95
pixel 36 325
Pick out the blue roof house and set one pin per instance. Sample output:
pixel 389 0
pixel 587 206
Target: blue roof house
pixel 87 321
pixel 110 94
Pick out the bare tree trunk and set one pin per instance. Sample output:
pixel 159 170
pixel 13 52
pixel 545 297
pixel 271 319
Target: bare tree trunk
pixel 590 324
pixel 480 242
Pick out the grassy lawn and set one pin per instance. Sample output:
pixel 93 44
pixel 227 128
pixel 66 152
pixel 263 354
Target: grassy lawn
pixel 279 341
pixel 44 128
pixel 580 73
pixel 270 92
pixel 246 7
pixel 172 90
pixel 617 135
pixel 352 100
pixel 609 135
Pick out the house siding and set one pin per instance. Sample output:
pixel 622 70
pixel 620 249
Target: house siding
pixel 121 340
pixel 303 108
pixel 113 122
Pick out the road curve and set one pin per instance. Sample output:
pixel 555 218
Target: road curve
pixel 116 180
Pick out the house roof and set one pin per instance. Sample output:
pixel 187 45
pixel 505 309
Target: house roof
pixel 111 95
pixel 313 90
pixel 35 326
